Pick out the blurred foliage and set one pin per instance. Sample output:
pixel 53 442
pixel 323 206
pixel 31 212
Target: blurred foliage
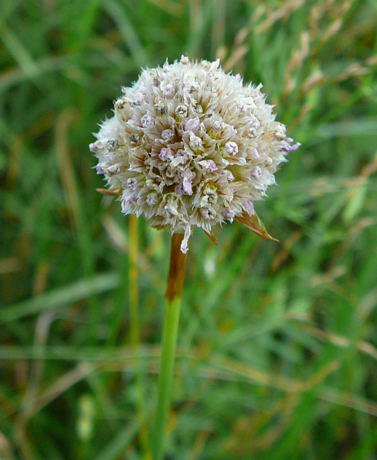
pixel 277 342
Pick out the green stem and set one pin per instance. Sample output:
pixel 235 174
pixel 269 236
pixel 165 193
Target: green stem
pixel 133 282
pixel 169 341
pixel 135 332
pixel 166 373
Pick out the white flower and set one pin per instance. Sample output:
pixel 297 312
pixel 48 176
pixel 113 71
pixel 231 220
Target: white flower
pixel 231 148
pixel 190 145
pixel 167 134
pixel 209 165
pixel 192 124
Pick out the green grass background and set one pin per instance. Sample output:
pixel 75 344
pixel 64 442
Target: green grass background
pixel 277 343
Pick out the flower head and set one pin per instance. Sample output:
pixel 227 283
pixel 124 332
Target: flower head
pixel 190 145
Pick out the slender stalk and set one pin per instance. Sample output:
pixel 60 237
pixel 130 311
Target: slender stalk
pixel 133 285
pixel 135 330
pixel 169 340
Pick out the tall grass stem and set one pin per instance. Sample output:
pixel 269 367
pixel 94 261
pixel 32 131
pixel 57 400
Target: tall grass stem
pixel 135 331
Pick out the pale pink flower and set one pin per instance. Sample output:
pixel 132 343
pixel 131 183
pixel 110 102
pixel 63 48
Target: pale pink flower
pixel 191 146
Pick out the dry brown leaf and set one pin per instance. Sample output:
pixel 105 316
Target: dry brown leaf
pixel 255 224
pixel 105 191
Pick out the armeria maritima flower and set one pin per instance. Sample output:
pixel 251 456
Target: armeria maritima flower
pixel 190 145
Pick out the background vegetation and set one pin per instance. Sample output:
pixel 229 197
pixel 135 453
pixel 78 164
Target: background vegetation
pixel 277 346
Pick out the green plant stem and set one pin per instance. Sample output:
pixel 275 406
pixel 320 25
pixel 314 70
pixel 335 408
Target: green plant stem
pixel 133 281
pixel 135 332
pixel 169 341
pixel 166 373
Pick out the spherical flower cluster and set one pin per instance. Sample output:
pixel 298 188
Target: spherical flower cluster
pixel 189 145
